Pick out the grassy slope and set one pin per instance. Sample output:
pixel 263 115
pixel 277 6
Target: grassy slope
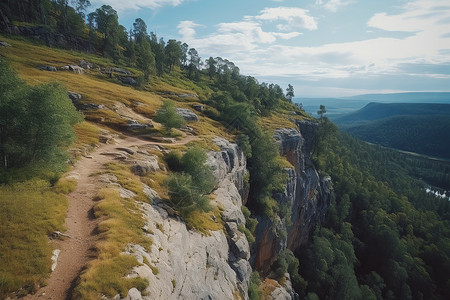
pixel 22 200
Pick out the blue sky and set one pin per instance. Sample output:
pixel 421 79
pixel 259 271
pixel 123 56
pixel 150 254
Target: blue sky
pixel 324 48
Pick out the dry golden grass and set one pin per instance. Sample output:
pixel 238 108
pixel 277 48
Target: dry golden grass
pixel 93 86
pixel 29 212
pixel 121 224
pixel 204 221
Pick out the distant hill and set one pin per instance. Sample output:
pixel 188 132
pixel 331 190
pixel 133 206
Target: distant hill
pixel 337 107
pixel 417 127
pixel 376 111
pixel 415 97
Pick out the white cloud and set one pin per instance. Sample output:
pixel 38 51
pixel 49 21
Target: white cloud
pixel 265 54
pixel 295 18
pixel 333 5
pixel 121 5
pixel 187 29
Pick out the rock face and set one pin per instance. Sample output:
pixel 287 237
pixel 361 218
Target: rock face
pixel 306 194
pixel 186 264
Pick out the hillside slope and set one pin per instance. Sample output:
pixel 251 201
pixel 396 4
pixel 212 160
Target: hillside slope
pixel 135 225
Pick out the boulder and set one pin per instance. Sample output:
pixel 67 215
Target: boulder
pixel 128 80
pixel 73 69
pixel 75 97
pixel 4 44
pixel 86 65
pixel 143 167
pixel 121 71
pixel 198 107
pixel 240 247
pixel 47 68
pixel 133 294
pixel 187 114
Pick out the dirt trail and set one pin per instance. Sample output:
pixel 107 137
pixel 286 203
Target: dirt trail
pixel 76 251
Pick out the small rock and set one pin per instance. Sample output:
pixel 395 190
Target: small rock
pixel 75 97
pixel 133 294
pixel 128 80
pixel 47 68
pixel 55 258
pixel 198 107
pixel 86 65
pixel 121 71
pixel 127 150
pixel 5 44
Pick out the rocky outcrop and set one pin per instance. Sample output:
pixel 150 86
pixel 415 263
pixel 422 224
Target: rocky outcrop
pixel 187 114
pixel 306 194
pixel 186 264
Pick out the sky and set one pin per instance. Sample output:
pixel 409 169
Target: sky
pixel 324 48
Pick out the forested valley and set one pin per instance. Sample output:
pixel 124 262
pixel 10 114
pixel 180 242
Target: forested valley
pixel 385 237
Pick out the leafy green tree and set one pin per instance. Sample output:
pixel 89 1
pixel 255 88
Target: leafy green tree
pixel 167 115
pixel 35 124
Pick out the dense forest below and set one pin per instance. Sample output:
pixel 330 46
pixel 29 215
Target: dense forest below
pixel 385 237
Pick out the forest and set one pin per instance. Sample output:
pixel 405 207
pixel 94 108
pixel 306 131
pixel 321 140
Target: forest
pixel 385 237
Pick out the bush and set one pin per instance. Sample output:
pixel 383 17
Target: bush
pixel 167 115
pixel 253 287
pixel 189 187
pixel 288 263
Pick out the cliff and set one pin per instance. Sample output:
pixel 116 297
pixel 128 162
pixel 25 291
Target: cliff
pixel 307 197
pixel 187 264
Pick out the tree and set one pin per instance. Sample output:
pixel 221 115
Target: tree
pixel 139 30
pixel 107 22
pixel 290 92
pixel 35 122
pixel 321 112
pixel 173 53
pixel 194 63
pixel 81 6
pixel 167 115
pixel 211 67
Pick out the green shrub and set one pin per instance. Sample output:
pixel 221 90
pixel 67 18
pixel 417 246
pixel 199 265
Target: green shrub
pixel 173 160
pixel 188 188
pixel 253 287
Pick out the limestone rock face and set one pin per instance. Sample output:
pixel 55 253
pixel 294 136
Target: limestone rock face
pixel 186 264
pixel 305 193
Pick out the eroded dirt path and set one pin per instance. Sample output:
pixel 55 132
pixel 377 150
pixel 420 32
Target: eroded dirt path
pixel 77 250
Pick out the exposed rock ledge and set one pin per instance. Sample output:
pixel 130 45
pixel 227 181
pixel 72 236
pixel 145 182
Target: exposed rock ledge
pixel 187 264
